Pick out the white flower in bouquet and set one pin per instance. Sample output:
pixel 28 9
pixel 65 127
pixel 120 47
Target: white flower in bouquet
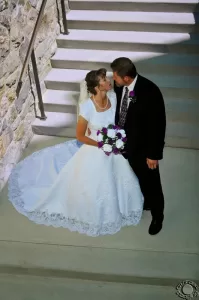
pixel 100 137
pixel 119 144
pixel 122 132
pixel 111 133
pixel 107 148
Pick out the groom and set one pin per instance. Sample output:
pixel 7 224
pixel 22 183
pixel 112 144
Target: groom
pixel 141 112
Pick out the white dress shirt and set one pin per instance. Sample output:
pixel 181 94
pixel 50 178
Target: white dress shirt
pixel 130 88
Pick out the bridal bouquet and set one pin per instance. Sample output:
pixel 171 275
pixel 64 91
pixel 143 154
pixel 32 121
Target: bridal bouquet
pixel 111 139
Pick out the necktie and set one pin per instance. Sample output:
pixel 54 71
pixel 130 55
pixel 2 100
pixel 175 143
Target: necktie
pixel 124 108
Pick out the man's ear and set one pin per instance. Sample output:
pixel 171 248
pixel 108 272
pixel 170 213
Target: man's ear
pixel 126 78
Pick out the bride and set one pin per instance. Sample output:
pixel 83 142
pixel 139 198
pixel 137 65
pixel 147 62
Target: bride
pixel 79 187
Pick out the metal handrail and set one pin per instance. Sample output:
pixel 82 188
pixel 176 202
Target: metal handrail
pixel 31 54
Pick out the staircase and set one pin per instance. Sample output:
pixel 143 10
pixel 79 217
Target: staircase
pixel 23 287
pixel 162 39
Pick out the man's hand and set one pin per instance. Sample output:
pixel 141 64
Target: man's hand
pixel 152 164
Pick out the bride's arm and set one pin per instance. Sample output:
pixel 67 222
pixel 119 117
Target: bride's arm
pixel 81 131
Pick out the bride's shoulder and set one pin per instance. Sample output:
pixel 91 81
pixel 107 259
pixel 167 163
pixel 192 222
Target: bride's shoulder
pixel 85 104
pixel 85 107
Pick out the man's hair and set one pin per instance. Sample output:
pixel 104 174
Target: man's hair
pixel 123 66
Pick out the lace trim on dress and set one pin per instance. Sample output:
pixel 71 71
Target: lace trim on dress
pixel 59 220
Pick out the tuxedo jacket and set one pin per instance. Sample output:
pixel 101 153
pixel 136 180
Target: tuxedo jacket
pixel 145 123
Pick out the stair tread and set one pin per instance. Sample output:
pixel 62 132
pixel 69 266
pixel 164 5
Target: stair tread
pixel 107 56
pixel 132 17
pixel 128 37
pixel 187 112
pixel 145 1
pixel 61 97
pixel 75 76
pixel 175 130
pixel 58 120
pixel 44 287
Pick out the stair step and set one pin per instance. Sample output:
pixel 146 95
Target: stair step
pixel 137 21
pixel 130 41
pixel 80 257
pixel 183 130
pixel 19 287
pixel 56 124
pixel 183 110
pixel 182 142
pixel 61 101
pixel 177 109
pixel 182 127
pixel 69 79
pixel 137 5
pixel 159 63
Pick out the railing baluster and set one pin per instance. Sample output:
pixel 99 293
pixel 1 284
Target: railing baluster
pixel 31 45
pixel 38 87
pixel 31 54
pixel 65 25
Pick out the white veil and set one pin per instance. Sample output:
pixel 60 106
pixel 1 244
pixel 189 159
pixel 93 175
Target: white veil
pixel 83 96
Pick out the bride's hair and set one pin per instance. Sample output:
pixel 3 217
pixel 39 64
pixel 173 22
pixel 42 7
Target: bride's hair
pixel 93 78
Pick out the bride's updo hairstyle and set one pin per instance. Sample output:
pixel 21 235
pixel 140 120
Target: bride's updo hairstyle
pixel 93 78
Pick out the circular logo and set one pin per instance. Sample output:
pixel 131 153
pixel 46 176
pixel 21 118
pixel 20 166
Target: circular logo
pixel 187 290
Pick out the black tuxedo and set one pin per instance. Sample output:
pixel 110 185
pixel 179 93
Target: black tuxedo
pixel 145 129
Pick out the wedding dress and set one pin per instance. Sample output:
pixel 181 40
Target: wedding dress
pixel 77 186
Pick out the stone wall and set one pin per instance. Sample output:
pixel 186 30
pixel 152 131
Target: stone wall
pixel 17 20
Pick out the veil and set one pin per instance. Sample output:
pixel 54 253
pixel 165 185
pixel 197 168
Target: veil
pixel 83 96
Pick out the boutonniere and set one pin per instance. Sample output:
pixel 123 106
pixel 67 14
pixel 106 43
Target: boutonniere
pixel 132 96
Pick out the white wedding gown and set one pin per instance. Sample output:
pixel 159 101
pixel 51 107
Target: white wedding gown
pixel 77 186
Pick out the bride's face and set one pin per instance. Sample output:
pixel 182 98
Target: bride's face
pixel 104 84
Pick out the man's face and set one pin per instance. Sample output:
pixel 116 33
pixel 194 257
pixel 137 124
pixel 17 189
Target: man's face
pixel 119 80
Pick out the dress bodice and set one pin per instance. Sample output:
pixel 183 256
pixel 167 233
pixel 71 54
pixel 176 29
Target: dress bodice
pixel 97 120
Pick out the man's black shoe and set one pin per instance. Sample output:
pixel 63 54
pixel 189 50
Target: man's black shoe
pixel 155 227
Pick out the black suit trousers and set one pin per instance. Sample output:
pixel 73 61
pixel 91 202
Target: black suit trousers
pixel 150 184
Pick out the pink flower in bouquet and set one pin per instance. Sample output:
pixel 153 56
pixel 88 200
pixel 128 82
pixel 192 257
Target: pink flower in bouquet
pixel 104 130
pixel 110 142
pixel 119 135
pixel 100 144
pixel 116 151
